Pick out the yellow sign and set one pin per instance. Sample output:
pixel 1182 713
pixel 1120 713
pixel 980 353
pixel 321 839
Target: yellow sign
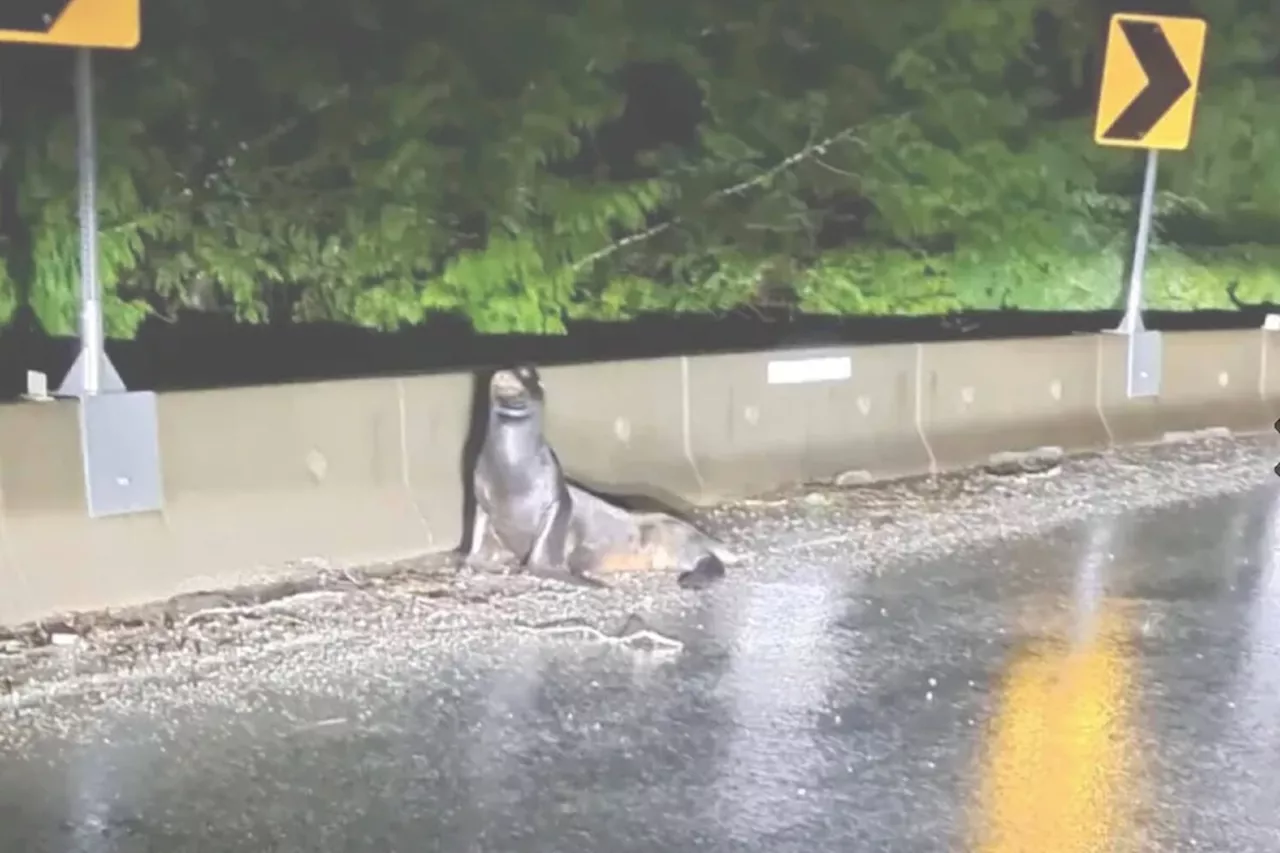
pixel 1149 81
pixel 72 23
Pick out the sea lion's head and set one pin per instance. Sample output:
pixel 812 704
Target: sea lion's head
pixel 515 393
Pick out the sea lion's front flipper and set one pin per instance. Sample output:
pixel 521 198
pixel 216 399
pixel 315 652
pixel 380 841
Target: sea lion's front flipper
pixel 480 525
pixel 573 569
pixel 551 555
pixel 548 558
pixel 549 544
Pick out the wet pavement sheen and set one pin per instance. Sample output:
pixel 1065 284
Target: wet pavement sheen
pixel 1114 686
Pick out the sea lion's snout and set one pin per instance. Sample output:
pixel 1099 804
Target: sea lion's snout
pixel 513 392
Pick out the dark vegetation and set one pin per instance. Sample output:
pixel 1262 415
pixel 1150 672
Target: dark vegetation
pixel 741 174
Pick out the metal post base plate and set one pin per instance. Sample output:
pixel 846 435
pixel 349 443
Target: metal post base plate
pixel 120 445
pixel 109 380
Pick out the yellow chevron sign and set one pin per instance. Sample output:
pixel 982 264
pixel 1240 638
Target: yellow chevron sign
pixel 72 23
pixel 1149 81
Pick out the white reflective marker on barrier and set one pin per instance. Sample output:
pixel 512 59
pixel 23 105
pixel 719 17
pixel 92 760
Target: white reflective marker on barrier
pixel 799 370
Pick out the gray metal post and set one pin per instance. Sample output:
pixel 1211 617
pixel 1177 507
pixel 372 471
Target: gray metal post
pixel 92 371
pixel 1132 320
pixel 87 156
pixel 119 429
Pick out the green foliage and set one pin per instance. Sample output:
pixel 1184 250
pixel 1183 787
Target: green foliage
pixel 378 162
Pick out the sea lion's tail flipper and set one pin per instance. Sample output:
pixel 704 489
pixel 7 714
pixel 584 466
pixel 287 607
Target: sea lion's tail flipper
pixel 706 571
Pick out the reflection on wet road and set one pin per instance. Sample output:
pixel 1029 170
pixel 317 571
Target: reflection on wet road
pixel 1113 686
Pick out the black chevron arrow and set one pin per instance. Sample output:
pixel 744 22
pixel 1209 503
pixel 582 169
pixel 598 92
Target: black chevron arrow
pixel 1167 81
pixel 31 16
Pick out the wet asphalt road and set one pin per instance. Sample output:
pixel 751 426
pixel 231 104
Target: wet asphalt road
pixel 1112 686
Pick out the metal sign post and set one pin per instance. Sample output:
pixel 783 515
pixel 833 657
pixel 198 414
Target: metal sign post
pixel 1149 80
pixel 119 434
pixel 92 370
pixel 83 24
pixel 1132 320
pixel 1145 355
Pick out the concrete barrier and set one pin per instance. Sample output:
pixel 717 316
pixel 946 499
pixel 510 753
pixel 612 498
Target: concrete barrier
pixel 982 398
pixel 1209 379
pixel 621 428
pixel 1269 379
pixel 761 420
pixel 55 557
pixel 435 414
pixel 258 480
pixel 327 479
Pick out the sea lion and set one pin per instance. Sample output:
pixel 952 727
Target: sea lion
pixel 558 529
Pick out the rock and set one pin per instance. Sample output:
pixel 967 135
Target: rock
pixel 63 639
pixel 857 477
pixel 1207 434
pixel 1024 462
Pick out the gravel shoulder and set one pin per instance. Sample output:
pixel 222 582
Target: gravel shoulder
pixel 294 634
